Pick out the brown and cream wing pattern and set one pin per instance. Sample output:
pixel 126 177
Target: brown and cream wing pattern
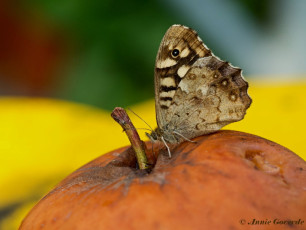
pixel 212 94
pixel 180 48
pixel 195 92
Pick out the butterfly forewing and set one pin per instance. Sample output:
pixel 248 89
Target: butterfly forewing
pixel 171 68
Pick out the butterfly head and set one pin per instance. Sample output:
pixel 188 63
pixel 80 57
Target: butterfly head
pixel 155 135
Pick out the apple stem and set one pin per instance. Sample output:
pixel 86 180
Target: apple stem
pixel 120 116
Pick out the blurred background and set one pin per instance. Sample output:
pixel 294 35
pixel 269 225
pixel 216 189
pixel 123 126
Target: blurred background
pixel 100 54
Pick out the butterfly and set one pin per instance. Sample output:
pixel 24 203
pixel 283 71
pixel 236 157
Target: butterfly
pixel 196 93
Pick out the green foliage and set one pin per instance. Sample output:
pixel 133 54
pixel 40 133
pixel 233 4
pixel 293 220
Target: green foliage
pixel 112 48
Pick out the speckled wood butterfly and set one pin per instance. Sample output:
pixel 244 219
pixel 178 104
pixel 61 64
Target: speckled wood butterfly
pixel 196 93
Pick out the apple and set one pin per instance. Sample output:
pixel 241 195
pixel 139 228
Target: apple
pixel 226 180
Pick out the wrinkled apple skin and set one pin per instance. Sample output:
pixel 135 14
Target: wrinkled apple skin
pixel 224 181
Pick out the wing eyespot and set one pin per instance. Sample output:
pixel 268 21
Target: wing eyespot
pixel 175 53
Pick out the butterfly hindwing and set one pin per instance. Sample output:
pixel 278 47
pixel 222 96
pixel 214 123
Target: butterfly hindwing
pixel 212 95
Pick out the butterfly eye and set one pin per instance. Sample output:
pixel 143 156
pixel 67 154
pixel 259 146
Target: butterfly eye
pixel 175 52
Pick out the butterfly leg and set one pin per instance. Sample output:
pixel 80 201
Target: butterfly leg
pixel 185 138
pixel 169 152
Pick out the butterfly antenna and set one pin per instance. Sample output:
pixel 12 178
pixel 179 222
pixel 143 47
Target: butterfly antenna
pixel 141 119
pixel 144 129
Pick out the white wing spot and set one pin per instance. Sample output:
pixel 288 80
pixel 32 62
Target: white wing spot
pixel 184 86
pixel 233 97
pixel 185 52
pixel 166 103
pixel 168 81
pixel 167 94
pixel 165 63
pixel 182 71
